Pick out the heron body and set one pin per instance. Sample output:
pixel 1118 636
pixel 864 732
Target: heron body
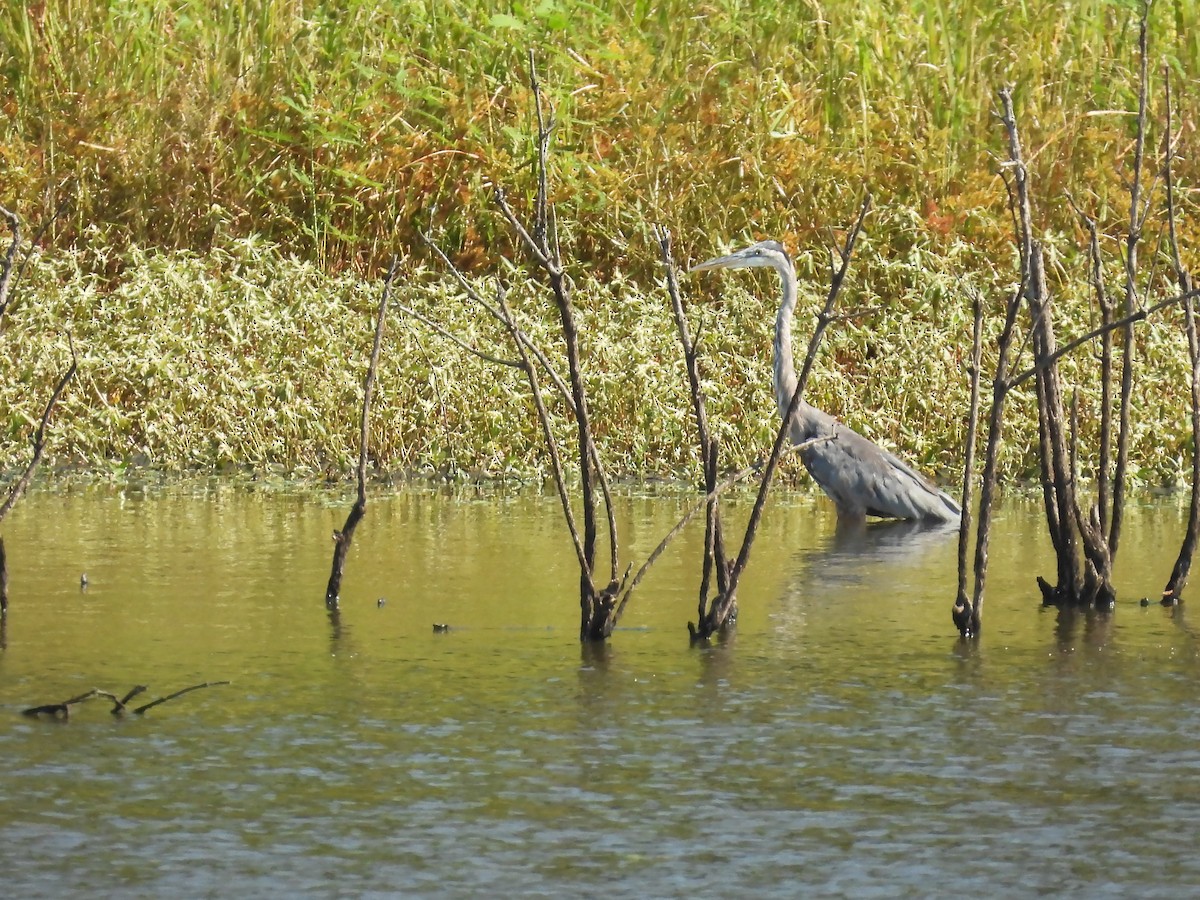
pixel 859 476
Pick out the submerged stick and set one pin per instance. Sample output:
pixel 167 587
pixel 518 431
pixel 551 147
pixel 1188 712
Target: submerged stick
pixel 120 704
pixel 343 538
pixel 141 710
pixel 963 613
pixel 597 607
pixel 63 710
pixel 1057 488
pixel 973 618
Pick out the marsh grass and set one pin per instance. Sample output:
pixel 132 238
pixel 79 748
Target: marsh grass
pixel 337 130
pixel 239 170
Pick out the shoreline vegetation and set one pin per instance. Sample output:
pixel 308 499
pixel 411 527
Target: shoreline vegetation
pixel 237 187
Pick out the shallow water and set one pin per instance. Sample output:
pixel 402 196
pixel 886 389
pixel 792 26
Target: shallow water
pixel 844 742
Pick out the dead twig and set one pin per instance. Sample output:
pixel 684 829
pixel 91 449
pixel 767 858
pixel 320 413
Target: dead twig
pixel 343 538
pixel 141 710
pixel 39 438
pixel 7 283
pixel 120 704
pixel 969 620
pixel 964 613
pixel 714 540
pixel 1133 236
pixel 1183 562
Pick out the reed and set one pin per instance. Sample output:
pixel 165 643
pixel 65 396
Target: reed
pixel 241 171
pixel 339 130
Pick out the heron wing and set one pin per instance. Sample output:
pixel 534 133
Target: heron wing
pixel 864 479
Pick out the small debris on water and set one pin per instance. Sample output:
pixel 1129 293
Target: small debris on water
pixel 83 582
pixel 381 602
pixel 440 627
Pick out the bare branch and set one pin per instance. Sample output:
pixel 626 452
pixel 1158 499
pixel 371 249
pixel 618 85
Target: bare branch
pixel 1134 317
pixel 711 497
pixel 342 539
pixel 714 541
pixel 1183 562
pixel 556 466
pixel 963 612
pixel 1000 388
pixel 39 440
pixel 539 254
pixel 559 383
pixel 10 258
pixel 455 339
pixel 1131 271
pixel 1107 311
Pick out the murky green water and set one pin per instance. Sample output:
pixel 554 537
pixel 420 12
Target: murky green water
pixel 844 743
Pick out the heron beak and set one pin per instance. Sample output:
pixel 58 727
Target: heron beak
pixel 717 262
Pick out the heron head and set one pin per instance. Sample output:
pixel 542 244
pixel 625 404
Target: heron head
pixel 764 254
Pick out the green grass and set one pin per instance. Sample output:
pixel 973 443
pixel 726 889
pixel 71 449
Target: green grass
pixel 240 172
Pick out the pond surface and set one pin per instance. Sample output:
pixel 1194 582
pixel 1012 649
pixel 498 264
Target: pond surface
pixel 844 742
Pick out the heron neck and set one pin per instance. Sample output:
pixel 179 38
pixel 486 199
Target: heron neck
pixel 785 369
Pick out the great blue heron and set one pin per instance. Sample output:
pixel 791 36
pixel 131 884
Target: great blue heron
pixel 860 477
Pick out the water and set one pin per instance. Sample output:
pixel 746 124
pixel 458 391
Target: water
pixel 843 743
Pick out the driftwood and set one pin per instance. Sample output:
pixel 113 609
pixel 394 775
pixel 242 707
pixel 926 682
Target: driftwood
pixel 343 538
pixel 120 704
